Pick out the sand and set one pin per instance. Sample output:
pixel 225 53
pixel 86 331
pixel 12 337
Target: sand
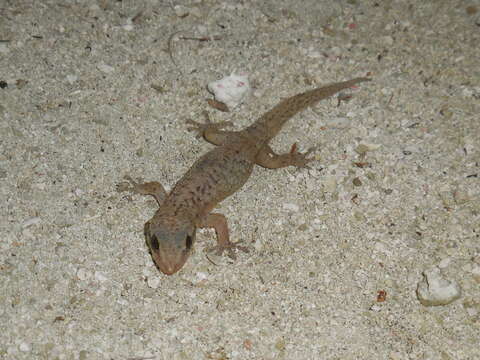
pixel 91 91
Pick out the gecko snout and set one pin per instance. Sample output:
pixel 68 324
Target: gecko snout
pixel 169 249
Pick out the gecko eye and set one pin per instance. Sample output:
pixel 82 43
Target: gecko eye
pixel 188 242
pixel 153 242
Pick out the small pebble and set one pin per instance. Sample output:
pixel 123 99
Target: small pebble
pixel 231 90
pixel 435 290
pixel 99 276
pixel 153 282
pixel 181 11
pixel 78 192
pixel 361 149
pixel 105 68
pixel 366 147
pixel 202 29
pixel 444 263
pixel 258 244
pixel 201 276
pixel 291 207
pixel 472 311
pixel 395 356
pixel 25 347
pixel 375 308
pixel 31 221
pixel 71 79
pixel 4 48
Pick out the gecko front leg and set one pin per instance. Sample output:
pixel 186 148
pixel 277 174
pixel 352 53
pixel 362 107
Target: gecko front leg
pixel 267 158
pixel 211 131
pixel 219 223
pixel 152 188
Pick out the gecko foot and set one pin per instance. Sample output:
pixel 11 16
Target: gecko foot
pixel 133 186
pixel 229 248
pixel 128 185
pixel 300 160
pixel 201 128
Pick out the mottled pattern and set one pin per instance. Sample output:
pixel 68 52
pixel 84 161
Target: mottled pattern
pixel 222 173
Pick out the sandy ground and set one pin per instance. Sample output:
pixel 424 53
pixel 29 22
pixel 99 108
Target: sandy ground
pixel 93 90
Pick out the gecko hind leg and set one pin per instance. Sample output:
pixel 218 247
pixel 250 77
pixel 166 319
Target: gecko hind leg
pixel 152 188
pixel 269 159
pixel 219 223
pixel 210 131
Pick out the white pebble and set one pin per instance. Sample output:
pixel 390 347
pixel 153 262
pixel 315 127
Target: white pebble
pixel 201 276
pixel 25 347
pixel 4 48
pixel 472 311
pixel 181 11
pixel 291 207
pixel 105 68
pixel 202 29
pixel 375 308
pixel 444 263
pixel 99 276
pixel 153 282
pixel 467 92
pixel 435 290
pixel 230 90
pixel 31 221
pixel 373 147
pixel 258 244
pixel 122 301
pixel 71 78
pixel 78 192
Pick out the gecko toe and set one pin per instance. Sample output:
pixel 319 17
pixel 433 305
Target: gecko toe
pixel 229 248
pixel 126 186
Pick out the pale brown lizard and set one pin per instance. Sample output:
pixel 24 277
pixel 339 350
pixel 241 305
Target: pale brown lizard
pixel 170 233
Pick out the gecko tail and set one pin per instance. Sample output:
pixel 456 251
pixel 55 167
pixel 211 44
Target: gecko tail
pixel 270 123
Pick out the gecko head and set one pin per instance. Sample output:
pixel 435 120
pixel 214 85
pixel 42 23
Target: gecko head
pixel 170 243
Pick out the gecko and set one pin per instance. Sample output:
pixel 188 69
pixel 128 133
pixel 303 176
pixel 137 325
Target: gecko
pixel 170 233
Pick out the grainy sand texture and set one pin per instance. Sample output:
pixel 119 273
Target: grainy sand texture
pixel 91 91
